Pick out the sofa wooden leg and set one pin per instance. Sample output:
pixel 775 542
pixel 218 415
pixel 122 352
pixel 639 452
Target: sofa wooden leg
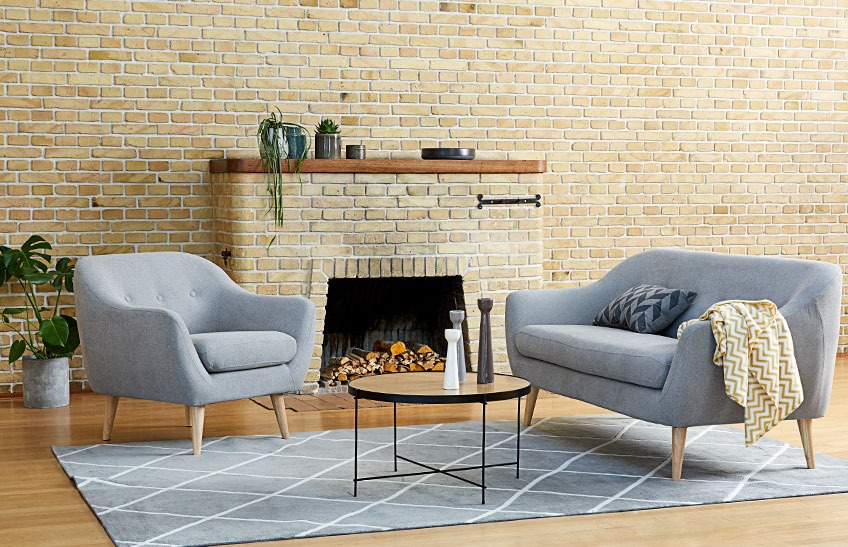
pixel 530 405
pixel 109 420
pixel 188 415
pixel 806 429
pixel 280 411
pixel 678 446
pixel 197 415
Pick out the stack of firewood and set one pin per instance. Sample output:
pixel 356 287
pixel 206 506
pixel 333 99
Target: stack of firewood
pixel 386 356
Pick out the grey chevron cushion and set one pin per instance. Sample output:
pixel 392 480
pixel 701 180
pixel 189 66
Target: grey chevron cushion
pixel 645 308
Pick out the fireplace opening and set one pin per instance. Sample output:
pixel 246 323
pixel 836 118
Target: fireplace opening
pixel 360 312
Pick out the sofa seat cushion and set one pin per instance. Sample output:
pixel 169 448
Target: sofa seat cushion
pixel 241 350
pixel 640 359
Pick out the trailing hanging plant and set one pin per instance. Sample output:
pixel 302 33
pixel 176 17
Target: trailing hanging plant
pixel 46 333
pixel 283 147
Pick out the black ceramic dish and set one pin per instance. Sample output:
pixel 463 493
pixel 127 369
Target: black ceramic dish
pixel 447 153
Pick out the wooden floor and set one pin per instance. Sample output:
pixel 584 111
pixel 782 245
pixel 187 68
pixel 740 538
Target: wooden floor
pixel 40 507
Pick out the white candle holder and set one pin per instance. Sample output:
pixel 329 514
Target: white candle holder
pixel 451 369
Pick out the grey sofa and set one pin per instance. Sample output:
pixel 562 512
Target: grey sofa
pixel 174 327
pixel 655 377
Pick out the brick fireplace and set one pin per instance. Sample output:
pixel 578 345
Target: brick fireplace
pixel 398 220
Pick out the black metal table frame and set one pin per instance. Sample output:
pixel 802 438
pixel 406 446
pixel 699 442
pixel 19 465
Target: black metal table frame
pixel 430 469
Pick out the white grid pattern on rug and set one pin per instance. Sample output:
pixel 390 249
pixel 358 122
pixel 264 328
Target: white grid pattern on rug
pixel 258 488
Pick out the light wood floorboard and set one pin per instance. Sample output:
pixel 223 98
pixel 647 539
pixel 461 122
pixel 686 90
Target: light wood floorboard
pixel 40 507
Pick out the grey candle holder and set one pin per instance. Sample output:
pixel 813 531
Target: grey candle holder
pixel 485 358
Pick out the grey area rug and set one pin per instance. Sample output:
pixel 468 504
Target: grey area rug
pixel 258 488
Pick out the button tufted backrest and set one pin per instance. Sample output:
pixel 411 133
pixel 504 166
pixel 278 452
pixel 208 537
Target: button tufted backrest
pixel 186 284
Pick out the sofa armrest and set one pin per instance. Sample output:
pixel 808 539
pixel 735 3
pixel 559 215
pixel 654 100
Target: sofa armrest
pixel 575 306
pixel 695 383
pixel 814 324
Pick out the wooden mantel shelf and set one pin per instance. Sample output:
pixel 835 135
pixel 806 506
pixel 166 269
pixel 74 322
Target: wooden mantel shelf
pixel 254 165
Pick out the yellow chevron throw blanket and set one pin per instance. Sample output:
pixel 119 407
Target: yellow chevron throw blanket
pixel 754 349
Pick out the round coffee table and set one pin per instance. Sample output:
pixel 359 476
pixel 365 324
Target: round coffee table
pixel 426 388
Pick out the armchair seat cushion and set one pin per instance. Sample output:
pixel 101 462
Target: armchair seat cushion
pixel 242 350
pixel 640 359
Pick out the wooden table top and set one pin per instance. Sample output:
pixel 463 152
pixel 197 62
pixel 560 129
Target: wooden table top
pixel 426 388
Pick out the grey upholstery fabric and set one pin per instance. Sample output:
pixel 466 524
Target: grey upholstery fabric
pixel 137 313
pixel 641 359
pixel 808 294
pixel 242 350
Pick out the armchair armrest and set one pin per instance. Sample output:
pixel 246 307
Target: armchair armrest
pixel 293 315
pixel 250 311
pixel 120 360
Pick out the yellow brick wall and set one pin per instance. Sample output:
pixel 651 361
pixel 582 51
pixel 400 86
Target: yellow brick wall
pixel 718 125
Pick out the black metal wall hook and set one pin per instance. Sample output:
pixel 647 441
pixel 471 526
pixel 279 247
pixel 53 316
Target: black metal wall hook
pixel 508 201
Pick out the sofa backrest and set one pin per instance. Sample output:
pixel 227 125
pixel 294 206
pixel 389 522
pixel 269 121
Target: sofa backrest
pixel 716 277
pixel 183 283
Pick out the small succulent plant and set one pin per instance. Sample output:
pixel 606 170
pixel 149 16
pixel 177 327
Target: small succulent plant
pixel 327 126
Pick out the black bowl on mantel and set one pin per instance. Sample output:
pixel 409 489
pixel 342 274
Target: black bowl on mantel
pixel 447 153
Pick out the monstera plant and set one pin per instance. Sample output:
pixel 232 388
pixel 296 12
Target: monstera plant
pixel 49 336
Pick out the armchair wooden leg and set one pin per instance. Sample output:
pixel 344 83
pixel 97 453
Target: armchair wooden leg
pixel 197 415
pixel 188 415
pixel 530 405
pixel 280 411
pixel 111 409
pixel 678 445
pixel 806 429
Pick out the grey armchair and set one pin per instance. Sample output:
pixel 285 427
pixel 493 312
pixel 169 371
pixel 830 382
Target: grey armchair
pixel 655 377
pixel 173 327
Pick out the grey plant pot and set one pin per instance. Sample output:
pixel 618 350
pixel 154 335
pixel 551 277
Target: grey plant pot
pixel 328 146
pixel 46 382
